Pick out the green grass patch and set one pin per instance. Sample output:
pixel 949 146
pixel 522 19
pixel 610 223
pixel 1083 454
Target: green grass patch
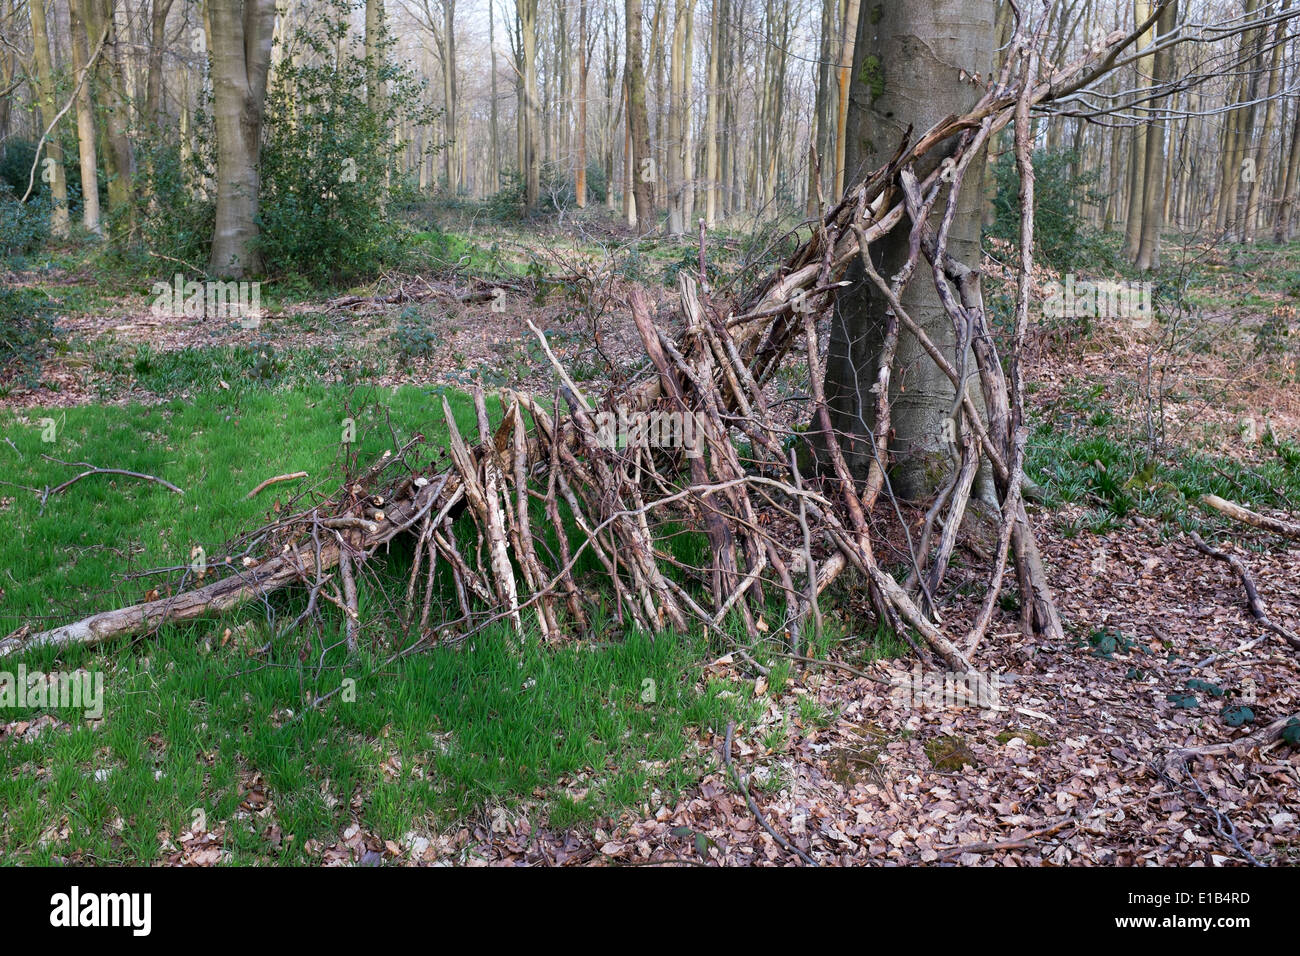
pixel 193 727
pixel 200 723
pixel 77 554
pixel 1092 462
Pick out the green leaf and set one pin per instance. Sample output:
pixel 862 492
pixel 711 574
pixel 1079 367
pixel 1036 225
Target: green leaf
pixel 1236 716
pixel 1291 732
pixel 702 844
pixel 1214 690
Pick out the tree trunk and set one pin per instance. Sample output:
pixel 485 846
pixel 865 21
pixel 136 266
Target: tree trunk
pixel 532 170
pixel 847 66
pixel 688 142
pixel 1244 159
pixel 495 160
pixel 655 118
pixel 909 69
pixel 115 144
pixel 712 164
pixel 85 123
pixel 157 44
pixel 676 115
pixel 240 33
pixel 823 104
pixel 1154 177
pixel 613 105
pixel 1230 170
pixel 1137 166
pixel 51 168
pixel 1283 226
pixel 643 170
pixel 450 168
pixel 580 179
pixel 7 58
pixel 1270 117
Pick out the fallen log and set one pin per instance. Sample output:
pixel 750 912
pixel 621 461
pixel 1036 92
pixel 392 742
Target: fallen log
pixel 295 564
pixel 1235 511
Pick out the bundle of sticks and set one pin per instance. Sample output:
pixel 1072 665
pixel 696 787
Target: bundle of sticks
pixel 547 490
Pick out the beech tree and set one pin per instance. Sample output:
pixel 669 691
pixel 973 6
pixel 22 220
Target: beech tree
pixel 912 67
pixel 239 40
pixel 641 160
pixel 52 171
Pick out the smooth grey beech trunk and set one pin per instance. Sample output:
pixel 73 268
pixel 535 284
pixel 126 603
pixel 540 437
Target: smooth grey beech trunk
pixel 912 65
pixel 239 39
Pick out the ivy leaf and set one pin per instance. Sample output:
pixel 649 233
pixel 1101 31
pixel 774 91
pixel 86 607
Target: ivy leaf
pixel 1236 716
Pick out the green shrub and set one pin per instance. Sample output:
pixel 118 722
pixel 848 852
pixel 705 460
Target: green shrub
pixel 16 166
pixel 23 225
pixel 178 217
pixel 507 203
pixel 16 157
pixel 26 332
pixel 328 164
pixel 1063 240
pixel 597 187
pixel 414 336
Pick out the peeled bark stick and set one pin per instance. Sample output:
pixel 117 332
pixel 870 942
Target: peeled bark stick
pixel 481 492
pixel 274 481
pixel 1257 608
pixel 219 596
pixel 1287 528
pixel 349 595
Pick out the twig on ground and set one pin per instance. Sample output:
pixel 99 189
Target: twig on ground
pixel 1257 607
pixel 294 476
pixel 993 846
pixel 743 784
pixel 92 470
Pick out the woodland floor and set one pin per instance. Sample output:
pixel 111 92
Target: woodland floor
pixel 1066 770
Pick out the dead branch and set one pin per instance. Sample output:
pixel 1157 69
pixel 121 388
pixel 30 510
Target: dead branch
pixel 1020 843
pixel 1256 603
pixel 92 470
pixel 274 481
pixel 743 786
pixel 1178 758
pixel 1286 528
